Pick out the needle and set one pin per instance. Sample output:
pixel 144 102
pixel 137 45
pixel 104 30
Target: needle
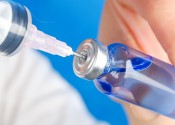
pixel 79 55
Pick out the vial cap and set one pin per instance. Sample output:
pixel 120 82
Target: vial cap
pixel 96 58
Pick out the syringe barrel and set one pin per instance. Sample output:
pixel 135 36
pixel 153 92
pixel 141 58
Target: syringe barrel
pixel 15 19
pixel 127 74
pixel 17 31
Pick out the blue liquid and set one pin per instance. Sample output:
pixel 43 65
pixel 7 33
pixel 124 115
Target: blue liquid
pixel 139 79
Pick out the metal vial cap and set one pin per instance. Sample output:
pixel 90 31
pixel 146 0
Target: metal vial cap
pixel 96 58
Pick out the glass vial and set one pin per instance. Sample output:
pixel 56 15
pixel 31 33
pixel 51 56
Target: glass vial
pixel 127 74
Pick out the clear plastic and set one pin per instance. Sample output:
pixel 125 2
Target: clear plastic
pixel 38 40
pixel 139 79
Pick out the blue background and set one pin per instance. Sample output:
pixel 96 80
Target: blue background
pixel 73 21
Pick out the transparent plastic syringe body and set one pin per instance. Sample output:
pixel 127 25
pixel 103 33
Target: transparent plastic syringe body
pixel 17 31
pixel 38 40
pixel 138 78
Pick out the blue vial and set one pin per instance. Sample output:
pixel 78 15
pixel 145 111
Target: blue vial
pixel 130 75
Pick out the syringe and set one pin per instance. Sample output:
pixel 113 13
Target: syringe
pixel 17 31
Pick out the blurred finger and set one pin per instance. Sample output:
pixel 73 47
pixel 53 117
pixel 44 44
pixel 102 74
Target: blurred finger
pixel 160 15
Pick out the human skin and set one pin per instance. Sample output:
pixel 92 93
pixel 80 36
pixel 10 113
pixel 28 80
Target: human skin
pixel 148 26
